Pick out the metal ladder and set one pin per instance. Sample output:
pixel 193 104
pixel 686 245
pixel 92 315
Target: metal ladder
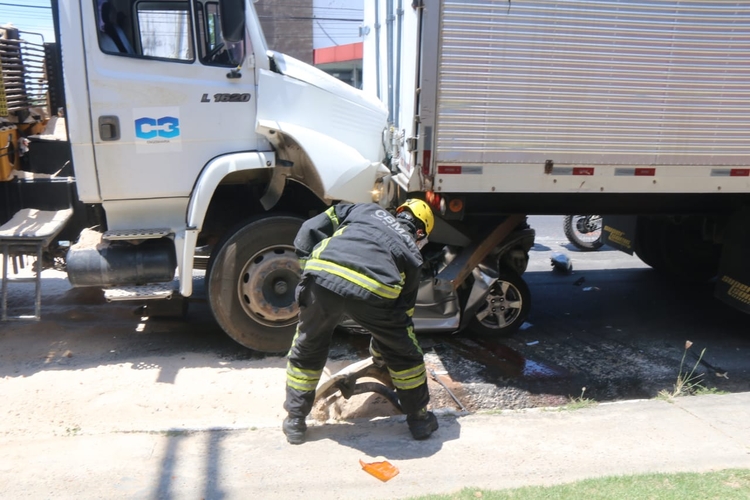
pixel 28 232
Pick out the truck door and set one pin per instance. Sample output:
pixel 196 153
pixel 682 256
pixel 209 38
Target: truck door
pixel 162 104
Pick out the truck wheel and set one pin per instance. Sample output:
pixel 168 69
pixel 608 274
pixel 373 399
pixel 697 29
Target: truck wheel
pixel 584 231
pixel 687 255
pixel 648 243
pixel 251 278
pixel 676 250
pixel 507 307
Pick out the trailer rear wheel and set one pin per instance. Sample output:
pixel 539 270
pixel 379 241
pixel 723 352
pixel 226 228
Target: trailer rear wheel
pixel 648 243
pixel 677 250
pixel 506 308
pixel 251 280
pixel 687 255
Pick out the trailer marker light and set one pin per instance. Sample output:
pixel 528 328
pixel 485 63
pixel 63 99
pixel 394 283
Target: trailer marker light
pixel 456 205
pixel 432 199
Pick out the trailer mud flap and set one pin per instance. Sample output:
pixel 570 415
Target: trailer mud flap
pixel 733 283
pixel 619 232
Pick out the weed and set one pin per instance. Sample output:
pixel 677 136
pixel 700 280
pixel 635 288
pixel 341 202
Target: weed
pixel 72 431
pixel 579 402
pixel 702 391
pixel 687 383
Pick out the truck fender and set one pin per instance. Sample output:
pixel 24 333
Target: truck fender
pixel 343 172
pixel 210 178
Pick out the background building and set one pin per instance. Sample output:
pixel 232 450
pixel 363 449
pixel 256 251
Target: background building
pixel 337 41
pixel 288 26
pixel 321 32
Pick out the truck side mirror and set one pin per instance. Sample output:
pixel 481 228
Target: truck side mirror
pixel 232 14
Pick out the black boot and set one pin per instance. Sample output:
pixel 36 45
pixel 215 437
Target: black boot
pixel 422 424
pixel 294 428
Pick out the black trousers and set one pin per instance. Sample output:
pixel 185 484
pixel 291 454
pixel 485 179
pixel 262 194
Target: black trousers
pixel 393 339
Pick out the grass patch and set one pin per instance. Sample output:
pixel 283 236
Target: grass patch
pixel 731 484
pixel 702 391
pixel 578 403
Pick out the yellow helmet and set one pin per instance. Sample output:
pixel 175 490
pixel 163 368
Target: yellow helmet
pixel 421 211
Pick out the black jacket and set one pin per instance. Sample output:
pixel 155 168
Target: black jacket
pixel 361 251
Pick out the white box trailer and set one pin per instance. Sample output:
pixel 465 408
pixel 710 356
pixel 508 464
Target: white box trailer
pixel 578 106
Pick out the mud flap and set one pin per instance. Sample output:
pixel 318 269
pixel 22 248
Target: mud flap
pixel 733 283
pixel 619 232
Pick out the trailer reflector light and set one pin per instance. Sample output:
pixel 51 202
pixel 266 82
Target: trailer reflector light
pixel 456 205
pixel 730 172
pixel 449 169
pixel 583 170
pixel 426 161
pixel 645 171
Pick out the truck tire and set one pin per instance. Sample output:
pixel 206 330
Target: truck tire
pixel 676 250
pixel 507 307
pixel 584 231
pixel 648 243
pixel 251 278
pixel 687 256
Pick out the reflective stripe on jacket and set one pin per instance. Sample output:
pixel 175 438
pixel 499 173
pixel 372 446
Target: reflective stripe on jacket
pixel 361 251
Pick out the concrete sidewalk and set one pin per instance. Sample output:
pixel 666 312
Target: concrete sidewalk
pixel 504 450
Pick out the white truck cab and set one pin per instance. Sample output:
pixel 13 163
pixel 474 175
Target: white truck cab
pixel 186 132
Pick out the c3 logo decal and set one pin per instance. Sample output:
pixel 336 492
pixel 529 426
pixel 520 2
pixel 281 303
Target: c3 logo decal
pixel 167 127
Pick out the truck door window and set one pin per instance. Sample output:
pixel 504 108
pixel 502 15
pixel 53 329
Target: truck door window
pixel 211 46
pixel 164 29
pixel 149 29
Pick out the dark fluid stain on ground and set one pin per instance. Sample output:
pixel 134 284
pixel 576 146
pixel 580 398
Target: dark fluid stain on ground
pixel 509 362
pixel 532 369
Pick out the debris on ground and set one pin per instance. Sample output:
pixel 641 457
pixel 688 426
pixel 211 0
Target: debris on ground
pixel 561 263
pixel 381 468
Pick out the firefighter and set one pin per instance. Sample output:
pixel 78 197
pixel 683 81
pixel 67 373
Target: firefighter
pixel 360 261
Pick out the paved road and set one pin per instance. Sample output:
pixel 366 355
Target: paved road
pixel 101 402
pixel 486 451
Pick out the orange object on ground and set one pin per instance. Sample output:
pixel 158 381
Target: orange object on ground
pixel 381 470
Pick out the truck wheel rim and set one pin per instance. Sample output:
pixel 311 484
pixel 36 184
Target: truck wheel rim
pixel 266 286
pixel 504 304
